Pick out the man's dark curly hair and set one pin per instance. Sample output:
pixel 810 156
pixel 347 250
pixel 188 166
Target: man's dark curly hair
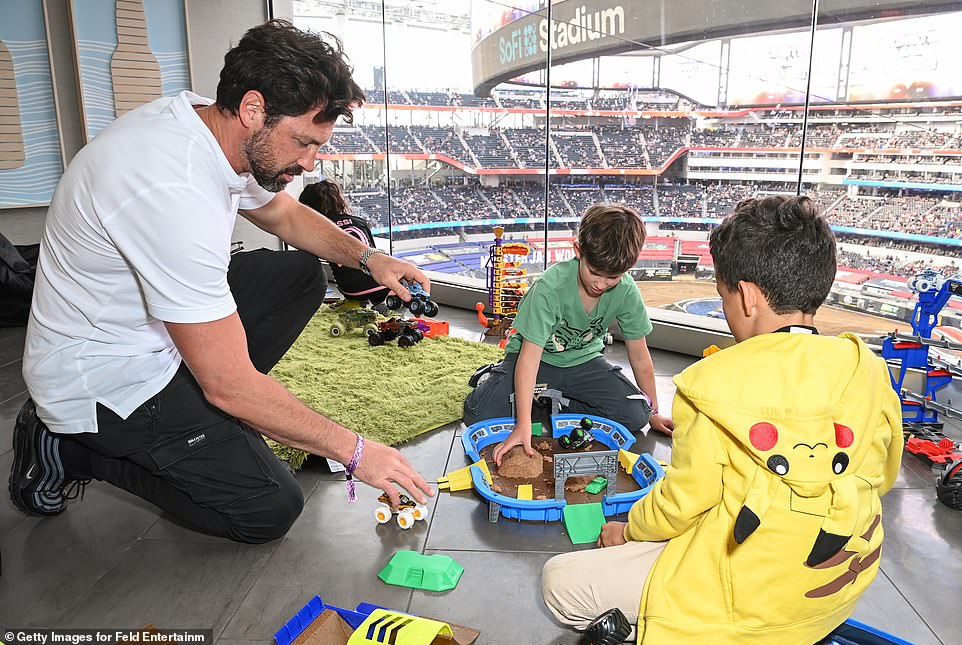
pixel 782 245
pixel 296 71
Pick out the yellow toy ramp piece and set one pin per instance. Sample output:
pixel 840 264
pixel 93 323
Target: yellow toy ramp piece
pixel 525 491
pixel 627 460
pixel 711 349
pixel 460 479
pixel 386 626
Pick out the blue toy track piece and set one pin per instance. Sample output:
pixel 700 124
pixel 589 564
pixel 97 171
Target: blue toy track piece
pixel 314 608
pixel 853 632
pixel 613 435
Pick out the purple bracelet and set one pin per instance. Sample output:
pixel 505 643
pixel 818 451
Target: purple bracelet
pixel 351 467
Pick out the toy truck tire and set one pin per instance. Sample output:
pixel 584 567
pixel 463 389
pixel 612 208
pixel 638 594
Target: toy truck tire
pixel 420 512
pixel 370 329
pixel 431 309
pixel 405 519
pixel 338 329
pixel 375 339
pixel 405 341
pixel 393 302
pixel 575 439
pixel 383 514
pixel 416 307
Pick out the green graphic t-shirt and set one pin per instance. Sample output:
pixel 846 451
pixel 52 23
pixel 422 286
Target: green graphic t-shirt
pixel 551 315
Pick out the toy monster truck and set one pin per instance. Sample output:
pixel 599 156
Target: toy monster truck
pixel 408 511
pixel 579 437
pixel 407 332
pixel 356 318
pixel 421 302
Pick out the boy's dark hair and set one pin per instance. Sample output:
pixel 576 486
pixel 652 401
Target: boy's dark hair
pixel 296 71
pixel 326 198
pixel 782 245
pixel 611 237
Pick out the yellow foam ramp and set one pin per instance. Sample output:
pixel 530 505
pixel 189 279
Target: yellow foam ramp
pixel 460 479
pixel 385 626
pixel 525 491
pixel 627 460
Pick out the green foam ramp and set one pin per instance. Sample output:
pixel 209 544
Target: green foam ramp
pixel 432 572
pixel 583 522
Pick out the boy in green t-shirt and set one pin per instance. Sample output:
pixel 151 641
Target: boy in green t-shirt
pixel 560 330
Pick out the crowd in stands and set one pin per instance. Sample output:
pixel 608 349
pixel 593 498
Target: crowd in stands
pixel 927 215
pixel 528 145
pixel 578 150
pixel 892 265
pixel 622 147
pixel 853 211
pixel 901 245
pixel 640 146
pixel 907 177
pixel 443 141
pixel 663 142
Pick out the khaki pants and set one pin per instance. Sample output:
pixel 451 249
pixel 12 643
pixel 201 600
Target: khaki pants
pixel 579 586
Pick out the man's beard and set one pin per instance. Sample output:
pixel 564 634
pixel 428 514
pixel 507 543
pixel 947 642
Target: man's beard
pixel 262 163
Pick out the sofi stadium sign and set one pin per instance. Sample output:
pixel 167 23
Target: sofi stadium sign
pixel 584 26
pixel 581 29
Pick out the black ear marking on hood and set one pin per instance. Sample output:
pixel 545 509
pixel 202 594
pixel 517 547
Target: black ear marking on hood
pixel 826 545
pixel 745 524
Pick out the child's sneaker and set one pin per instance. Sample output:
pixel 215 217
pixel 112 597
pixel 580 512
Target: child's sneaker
pixel 37 482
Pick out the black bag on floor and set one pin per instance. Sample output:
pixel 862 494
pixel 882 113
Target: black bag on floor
pixel 18 266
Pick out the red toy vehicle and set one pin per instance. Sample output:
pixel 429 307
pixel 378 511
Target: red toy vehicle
pixel 943 452
pixel 407 332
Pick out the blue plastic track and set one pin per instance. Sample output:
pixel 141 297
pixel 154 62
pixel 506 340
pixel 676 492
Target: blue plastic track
pixel 611 433
pixel 315 606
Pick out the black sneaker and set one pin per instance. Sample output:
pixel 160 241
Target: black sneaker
pixel 37 482
pixel 481 374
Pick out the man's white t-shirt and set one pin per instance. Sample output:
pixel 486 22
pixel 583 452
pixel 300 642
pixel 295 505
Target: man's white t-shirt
pixel 138 233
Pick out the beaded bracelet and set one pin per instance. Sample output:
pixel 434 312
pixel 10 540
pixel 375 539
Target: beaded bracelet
pixel 351 467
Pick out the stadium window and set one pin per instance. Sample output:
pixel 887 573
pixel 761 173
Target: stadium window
pixel 481 116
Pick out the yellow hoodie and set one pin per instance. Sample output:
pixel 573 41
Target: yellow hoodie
pixel 785 443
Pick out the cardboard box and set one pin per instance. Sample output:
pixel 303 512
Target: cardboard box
pixel 330 629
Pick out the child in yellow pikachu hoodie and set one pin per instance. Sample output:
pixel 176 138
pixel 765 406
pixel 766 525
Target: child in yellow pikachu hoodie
pixel 771 506
pixel 766 528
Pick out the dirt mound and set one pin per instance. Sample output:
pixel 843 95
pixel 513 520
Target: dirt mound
pixel 517 465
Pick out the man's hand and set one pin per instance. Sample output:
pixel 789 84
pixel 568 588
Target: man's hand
pixel 612 534
pixel 662 424
pixel 520 436
pixel 388 271
pixel 383 467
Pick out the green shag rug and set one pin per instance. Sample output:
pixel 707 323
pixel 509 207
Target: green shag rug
pixel 385 393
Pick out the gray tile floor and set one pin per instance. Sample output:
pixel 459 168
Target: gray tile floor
pixel 114 561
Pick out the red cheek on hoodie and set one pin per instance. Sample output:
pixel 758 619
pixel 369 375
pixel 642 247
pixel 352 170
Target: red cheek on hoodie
pixel 763 436
pixel 843 436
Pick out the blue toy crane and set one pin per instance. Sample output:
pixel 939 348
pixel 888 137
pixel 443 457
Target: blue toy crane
pixel 934 291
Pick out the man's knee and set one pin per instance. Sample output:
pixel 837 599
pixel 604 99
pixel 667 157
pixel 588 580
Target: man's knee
pixel 311 271
pixel 269 517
